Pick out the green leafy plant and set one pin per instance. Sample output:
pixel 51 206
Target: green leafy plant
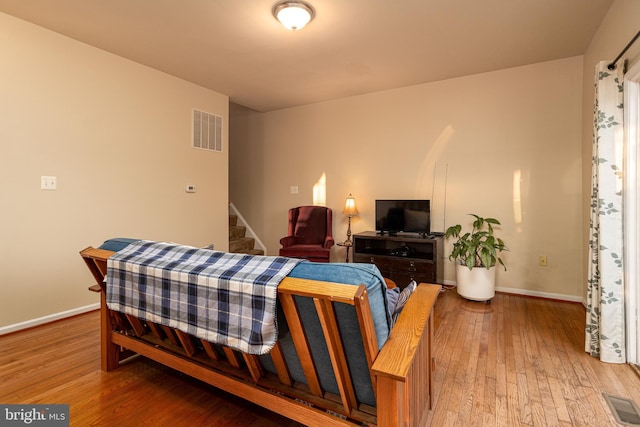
pixel 479 248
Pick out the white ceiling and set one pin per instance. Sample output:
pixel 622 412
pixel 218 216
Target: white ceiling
pixel 236 47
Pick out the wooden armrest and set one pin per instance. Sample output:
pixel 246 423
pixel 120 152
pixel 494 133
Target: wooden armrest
pixel 93 253
pixel 390 283
pixel 96 261
pixel 314 288
pixel 397 354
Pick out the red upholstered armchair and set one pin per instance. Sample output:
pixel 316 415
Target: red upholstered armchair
pixel 309 234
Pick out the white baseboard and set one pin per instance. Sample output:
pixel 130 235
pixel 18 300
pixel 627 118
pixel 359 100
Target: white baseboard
pixel 46 319
pixel 548 295
pixel 526 292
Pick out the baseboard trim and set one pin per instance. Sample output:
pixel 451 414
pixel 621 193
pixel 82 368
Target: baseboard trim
pixel 528 293
pixel 538 294
pixel 47 319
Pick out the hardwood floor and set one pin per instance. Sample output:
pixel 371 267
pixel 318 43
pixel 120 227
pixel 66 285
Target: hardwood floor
pixel 517 361
pixel 60 363
pixel 520 361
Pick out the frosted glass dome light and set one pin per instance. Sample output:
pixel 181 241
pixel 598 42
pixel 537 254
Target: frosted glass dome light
pixel 294 15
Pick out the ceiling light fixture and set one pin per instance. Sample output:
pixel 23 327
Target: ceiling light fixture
pixel 294 15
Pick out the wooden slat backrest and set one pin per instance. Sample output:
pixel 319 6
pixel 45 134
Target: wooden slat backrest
pixel 187 342
pixel 324 294
pixel 300 341
pixel 208 348
pixel 171 335
pixel 329 323
pixel 155 329
pixel 136 325
pixel 232 357
pixel 281 366
pixel 254 366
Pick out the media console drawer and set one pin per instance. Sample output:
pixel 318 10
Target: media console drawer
pixel 382 262
pixel 412 266
pixel 403 279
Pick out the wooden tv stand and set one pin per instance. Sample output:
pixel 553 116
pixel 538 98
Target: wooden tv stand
pixel 423 262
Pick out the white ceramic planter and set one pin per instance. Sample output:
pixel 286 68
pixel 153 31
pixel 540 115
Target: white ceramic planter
pixel 477 284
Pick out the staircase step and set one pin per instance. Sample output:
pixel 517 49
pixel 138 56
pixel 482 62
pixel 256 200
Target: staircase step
pixel 241 245
pixel 237 232
pixel 238 242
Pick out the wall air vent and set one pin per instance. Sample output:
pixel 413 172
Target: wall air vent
pixel 207 131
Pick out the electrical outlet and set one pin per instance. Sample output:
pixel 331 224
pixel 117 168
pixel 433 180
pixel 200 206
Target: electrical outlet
pixel 542 260
pixel 48 182
pixel 293 189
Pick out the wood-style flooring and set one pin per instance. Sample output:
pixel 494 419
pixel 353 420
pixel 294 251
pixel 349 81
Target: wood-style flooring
pixel 520 362
pixel 515 362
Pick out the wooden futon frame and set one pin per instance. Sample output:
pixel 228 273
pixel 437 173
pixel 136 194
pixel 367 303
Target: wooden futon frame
pixel 401 372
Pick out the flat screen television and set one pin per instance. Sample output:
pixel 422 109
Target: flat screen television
pixel 403 216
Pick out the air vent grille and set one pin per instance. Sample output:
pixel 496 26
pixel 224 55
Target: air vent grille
pixel 207 131
pixel 625 411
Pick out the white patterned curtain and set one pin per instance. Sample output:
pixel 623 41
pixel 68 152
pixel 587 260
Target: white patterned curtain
pixel 605 329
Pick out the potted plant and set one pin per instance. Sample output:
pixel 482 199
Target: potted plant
pixel 476 255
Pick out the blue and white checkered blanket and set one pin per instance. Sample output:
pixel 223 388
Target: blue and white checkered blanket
pixel 224 298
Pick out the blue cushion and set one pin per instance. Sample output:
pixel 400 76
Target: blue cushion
pixel 354 274
pixel 117 244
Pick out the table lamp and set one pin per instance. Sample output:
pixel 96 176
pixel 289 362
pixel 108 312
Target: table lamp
pixel 349 210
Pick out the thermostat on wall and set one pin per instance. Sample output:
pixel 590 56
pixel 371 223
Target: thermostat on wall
pixel 190 188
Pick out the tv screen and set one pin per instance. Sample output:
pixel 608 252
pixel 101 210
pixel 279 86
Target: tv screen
pixel 407 216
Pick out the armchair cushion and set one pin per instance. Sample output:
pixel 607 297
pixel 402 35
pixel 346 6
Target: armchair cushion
pixel 310 252
pixel 309 234
pixel 310 225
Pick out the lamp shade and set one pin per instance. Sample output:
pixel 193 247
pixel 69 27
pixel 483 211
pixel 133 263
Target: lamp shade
pixel 294 15
pixel 350 206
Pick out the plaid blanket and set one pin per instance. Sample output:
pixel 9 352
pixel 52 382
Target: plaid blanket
pixel 224 298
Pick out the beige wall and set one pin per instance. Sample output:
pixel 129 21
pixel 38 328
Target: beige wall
pixel 246 163
pixel 508 141
pixel 616 30
pixel 117 136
